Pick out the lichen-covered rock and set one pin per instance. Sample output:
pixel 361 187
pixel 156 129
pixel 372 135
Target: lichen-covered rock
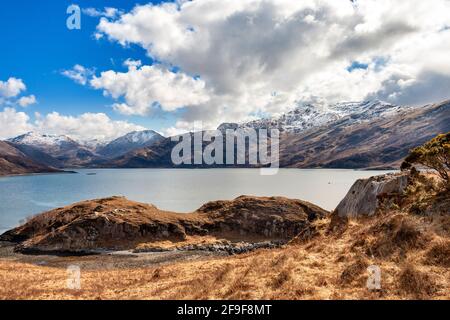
pixel 363 197
pixel 269 217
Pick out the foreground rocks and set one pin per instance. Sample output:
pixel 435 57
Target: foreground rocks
pixel 363 197
pixel 219 247
pixel 119 224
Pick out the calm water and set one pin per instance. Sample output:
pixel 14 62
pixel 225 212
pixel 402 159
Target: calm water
pixel 171 189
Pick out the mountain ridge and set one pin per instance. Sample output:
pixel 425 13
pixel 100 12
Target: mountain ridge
pixel 354 141
pixel 308 116
pixel 356 135
pixel 129 142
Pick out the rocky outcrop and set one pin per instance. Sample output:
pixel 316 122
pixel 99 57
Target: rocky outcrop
pixel 363 199
pixel 227 247
pixel 119 224
pixel 274 217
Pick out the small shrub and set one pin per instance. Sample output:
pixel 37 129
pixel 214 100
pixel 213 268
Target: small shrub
pixel 416 283
pixel 398 234
pixel 353 271
pixel 434 154
pixel 439 254
pixel 283 277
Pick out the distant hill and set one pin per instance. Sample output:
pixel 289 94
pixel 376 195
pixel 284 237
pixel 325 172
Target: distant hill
pixel 13 161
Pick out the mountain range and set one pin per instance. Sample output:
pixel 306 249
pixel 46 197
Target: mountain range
pixel 370 134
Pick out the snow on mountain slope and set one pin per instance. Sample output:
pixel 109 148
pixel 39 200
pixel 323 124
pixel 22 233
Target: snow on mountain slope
pixel 131 141
pixel 308 116
pixel 64 149
pixel 36 139
pixel 139 137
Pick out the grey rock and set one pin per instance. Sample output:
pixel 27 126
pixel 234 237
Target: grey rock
pixel 363 197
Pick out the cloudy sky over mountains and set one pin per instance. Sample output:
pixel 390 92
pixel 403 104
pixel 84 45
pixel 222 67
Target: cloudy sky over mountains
pixel 163 65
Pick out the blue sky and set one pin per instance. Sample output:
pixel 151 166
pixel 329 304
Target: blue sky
pixel 38 46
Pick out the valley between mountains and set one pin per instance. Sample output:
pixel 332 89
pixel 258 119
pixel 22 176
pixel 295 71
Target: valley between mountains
pixel 370 134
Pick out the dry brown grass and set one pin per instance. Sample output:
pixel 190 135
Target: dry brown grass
pixel 439 254
pixel 328 269
pixel 416 283
pixel 353 271
pixel 412 252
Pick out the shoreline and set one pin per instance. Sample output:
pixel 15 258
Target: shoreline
pixel 37 174
pixel 73 170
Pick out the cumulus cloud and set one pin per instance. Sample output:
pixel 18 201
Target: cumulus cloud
pixel 79 74
pixel 145 88
pixel 84 127
pixel 13 123
pixel 27 101
pixel 11 91
pixel 11 88
pixel 267 55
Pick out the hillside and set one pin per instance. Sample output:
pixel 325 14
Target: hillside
pixel 382 142
pixel 129 142
pixel 305 117
pixel 13 162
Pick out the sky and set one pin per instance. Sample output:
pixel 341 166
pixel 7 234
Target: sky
pixel 160 65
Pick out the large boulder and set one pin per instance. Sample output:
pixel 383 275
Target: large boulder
pixel 363 199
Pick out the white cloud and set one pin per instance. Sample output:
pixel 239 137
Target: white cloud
pixel 84 127
pixel 179 128
pixel 87 126
pixel 266 55
pixel 149 87
pixel 107 12
pixel 13 123
pixel 11 91
pixel 78 74
pixel 11 88
pixel 27 101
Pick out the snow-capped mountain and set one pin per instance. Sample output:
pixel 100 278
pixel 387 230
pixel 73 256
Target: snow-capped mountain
pixel 93 144
pixel 367 110
pixel 43 140
pixel 308 116
pixel 129 142
pixel 60 147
